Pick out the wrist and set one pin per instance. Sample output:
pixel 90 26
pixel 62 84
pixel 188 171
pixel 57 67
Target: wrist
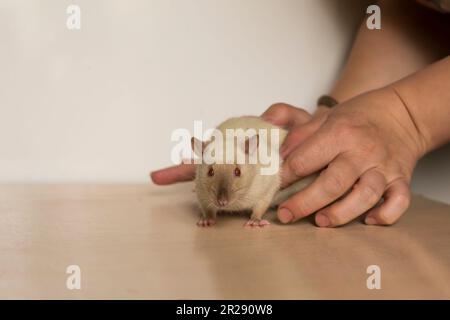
pixel 426 97
pixel 414 136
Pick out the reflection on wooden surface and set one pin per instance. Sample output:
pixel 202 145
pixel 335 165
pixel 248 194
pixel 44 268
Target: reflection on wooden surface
pixel 140 241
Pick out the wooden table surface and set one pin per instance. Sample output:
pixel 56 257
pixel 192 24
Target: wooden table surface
pixel 141 242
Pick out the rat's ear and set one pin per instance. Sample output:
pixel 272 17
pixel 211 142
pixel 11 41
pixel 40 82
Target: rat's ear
pixel 251 144
pixel 198 146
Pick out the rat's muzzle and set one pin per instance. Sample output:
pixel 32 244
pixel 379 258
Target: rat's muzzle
pixel 222 197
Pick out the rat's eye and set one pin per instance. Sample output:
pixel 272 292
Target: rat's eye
pixel 237 172
pixel 211 172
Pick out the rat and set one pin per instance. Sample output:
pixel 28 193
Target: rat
pixel 240 187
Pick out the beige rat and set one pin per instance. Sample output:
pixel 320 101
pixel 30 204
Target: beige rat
pixel 241 187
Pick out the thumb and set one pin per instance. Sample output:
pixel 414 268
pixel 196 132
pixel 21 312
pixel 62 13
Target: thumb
pixel 286 115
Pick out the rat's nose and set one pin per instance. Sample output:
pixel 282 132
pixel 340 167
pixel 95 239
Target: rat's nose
pixel 222 202
pixel 222 197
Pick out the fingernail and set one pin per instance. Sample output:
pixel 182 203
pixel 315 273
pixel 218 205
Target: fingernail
pixel 370 220
pixel 322 220
pixel 285 215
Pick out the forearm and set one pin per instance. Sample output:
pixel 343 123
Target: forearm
pixel 381 57
pixel 426 96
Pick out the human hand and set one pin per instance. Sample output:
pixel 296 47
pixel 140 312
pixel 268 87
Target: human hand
pixel 369 147
pixel 298 121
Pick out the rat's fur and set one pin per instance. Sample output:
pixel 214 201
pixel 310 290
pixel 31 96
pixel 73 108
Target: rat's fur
pixel 249 191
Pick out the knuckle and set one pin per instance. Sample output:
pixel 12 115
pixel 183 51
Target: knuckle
pixel 370 194
pixel 333 185
pixel 342 125
pixel 402 200
pixel 346 132
pixel 297 166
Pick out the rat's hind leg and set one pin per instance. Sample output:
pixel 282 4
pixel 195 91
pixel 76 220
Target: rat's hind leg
pixel 259 210
pixel 208 218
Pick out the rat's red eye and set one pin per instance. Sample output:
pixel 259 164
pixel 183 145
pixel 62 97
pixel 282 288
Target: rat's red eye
pixel 237 172
pixel 211 172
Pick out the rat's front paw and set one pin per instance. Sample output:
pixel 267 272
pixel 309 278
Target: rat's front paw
pixel 256 223
pixel 204 222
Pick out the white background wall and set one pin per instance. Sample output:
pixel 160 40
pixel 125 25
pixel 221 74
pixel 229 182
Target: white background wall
pixel 99 104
